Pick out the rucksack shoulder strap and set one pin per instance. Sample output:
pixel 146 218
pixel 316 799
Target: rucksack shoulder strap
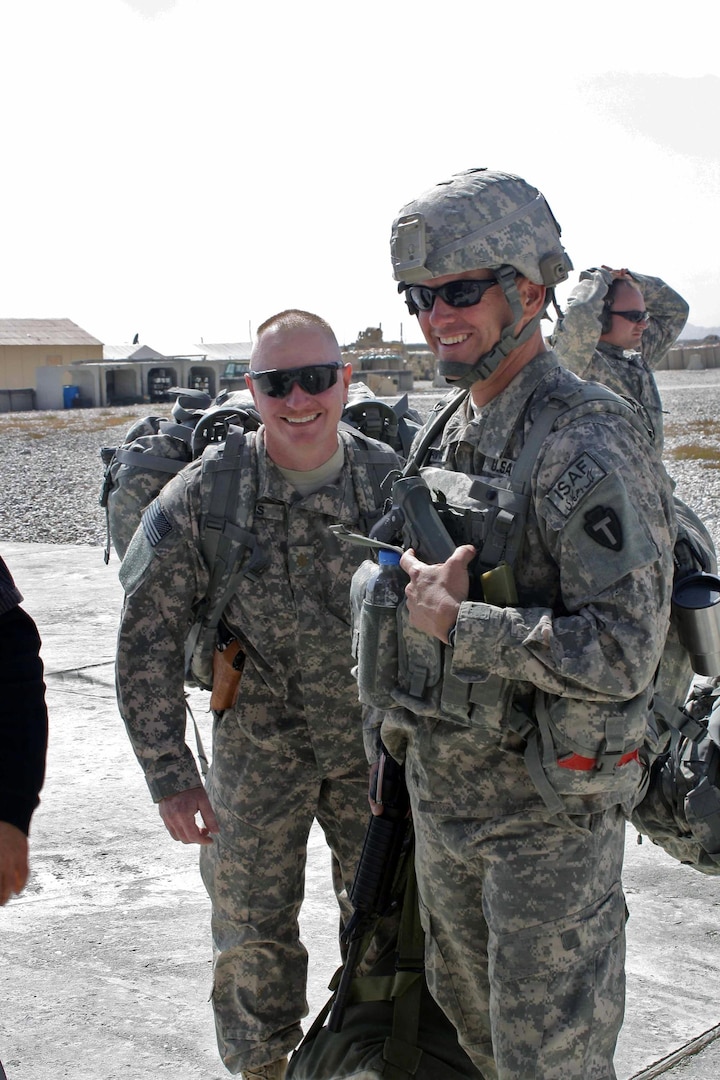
pixel 229 547
pixel 585 398
pixel 229 469
pixel 372 464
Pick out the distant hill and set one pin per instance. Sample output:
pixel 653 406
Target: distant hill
pixel 698 333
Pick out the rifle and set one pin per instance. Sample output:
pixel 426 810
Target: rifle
pixel 371 892
pixel 414 515
pixel 413 512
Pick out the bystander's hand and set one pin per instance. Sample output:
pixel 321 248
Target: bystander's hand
pixel 13 861
pixel 179 812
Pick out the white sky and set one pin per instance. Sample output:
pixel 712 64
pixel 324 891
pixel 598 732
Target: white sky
pixel 183 169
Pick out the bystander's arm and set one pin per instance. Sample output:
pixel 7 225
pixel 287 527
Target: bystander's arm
pixel 23 743
pixel 577 332
pixel 668 313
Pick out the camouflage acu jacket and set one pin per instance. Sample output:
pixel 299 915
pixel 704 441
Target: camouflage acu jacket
pixel 297 693
pixel 593 576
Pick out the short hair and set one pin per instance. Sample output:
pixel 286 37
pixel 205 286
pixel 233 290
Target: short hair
pixel 294 319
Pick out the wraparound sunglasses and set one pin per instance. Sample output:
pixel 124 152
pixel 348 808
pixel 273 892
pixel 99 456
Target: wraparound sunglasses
pixel 313 379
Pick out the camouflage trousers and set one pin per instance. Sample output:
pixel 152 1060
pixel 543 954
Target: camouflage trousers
pixel 254 873
pixel 523 911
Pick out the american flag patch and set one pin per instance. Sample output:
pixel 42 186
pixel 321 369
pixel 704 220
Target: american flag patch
pixel 155 523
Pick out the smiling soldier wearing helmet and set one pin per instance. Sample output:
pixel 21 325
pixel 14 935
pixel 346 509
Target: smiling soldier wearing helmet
pixel 521 707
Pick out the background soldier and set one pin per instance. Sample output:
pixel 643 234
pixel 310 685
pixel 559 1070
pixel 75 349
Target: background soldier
pixel 616 330
pixel 521 719
pixel 291 748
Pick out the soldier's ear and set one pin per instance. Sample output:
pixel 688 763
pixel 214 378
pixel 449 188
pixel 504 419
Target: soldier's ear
pixel 532 295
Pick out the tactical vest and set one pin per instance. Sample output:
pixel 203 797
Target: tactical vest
pixel 492 515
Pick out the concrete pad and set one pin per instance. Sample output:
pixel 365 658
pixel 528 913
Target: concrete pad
pixel 107 954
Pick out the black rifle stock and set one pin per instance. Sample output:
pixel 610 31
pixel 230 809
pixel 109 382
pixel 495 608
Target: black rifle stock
pixel 413 514
pixel 414 518
pixel 371 893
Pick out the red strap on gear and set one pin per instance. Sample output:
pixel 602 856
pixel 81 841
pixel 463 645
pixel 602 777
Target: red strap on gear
pixel 585 764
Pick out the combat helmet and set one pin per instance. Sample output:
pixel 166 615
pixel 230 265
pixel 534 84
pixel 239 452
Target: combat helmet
pixel 480 219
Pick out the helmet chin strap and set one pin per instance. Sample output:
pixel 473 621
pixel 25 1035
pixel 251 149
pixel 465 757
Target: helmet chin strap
pixel 461 375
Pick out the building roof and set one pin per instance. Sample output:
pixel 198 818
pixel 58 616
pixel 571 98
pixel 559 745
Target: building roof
pixel 131 352
pixel 44 332
pixel 238 350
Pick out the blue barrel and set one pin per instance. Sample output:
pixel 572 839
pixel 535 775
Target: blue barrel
pixel 71 396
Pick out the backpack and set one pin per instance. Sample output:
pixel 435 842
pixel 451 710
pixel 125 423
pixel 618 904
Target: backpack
pixel 397 425
pixel 156 448
pixel 680 808
pixel 392 1028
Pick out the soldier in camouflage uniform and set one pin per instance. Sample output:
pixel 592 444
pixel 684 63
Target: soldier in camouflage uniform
pixel 291 749
pixel 520 758
pixel 617 329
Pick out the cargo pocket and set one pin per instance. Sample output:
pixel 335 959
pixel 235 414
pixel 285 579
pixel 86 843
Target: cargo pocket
pixel 564 975
pixel 439 979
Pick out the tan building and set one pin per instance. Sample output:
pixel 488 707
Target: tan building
pixel 54 364
pixel 35 353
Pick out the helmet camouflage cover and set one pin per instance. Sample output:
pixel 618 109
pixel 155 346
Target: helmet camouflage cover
pixel 479 219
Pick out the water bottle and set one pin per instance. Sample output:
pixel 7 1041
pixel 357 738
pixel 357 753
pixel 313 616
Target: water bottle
pixel 696 608
pixel 377 646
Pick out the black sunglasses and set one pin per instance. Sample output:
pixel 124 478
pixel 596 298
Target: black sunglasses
pixel 458 294
pixel 632 316
pixel 313 379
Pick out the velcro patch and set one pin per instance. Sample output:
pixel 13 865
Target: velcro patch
pixel 578 480
pixel 503 466
pixel 155 523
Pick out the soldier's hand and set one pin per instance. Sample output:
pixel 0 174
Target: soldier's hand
pixel 179 811
pixel 13 861
pixel 436 591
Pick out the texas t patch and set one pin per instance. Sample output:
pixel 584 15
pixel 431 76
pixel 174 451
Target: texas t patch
pixel 603 525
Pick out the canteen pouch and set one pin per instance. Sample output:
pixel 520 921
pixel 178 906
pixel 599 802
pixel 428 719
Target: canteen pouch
pixel 426 685
pixel 374 643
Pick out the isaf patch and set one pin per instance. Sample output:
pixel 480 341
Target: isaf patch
pixel 156 525
pixel 578 480
pixel 603 526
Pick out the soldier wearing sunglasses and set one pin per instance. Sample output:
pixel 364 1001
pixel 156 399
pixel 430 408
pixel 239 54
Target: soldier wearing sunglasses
pixel 290 749
pixel 617 329
pixel 519 716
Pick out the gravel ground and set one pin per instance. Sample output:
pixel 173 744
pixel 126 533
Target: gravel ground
pixel 51 473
